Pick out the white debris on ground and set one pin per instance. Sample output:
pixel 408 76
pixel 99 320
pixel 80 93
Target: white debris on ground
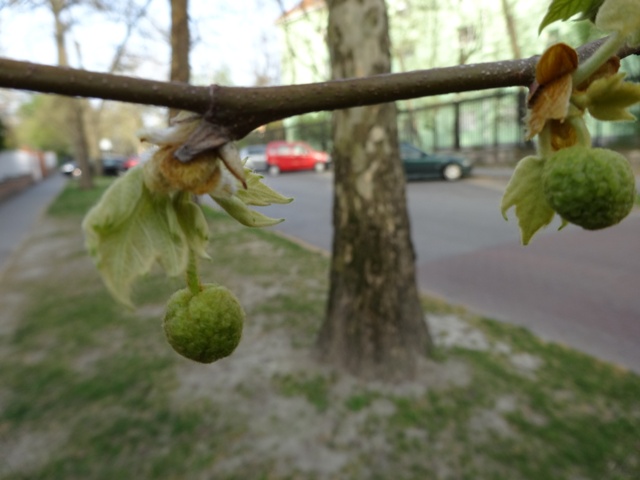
pixel 451 330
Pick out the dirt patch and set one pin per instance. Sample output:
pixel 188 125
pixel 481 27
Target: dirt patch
pixel 30 450
pixel 288 431
pixel 278 413
pixel 11 305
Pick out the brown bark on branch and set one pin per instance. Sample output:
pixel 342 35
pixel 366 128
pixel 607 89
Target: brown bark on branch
pixel 242 109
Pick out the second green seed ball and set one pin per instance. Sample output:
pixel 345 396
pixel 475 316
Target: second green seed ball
pixel 590 187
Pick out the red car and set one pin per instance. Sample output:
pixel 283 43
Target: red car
pixel 290 156
pixel 130 163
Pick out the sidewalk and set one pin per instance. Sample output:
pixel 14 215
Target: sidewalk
pixel 19 213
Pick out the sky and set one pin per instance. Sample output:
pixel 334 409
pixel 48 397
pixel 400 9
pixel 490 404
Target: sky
pixel 233 39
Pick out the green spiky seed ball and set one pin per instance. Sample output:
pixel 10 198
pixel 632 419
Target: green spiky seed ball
pixel 204 327
pixel 590 187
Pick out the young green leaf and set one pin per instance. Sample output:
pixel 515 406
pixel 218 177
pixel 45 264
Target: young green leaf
pixel 609 98
pixel 117 203
pixel 243 214
pixel 170 243
pixel 193 223
pixel 125 247
pixel 526 193
pixel 565 9
pixel 235 201
pixel 622 16
pixel 259 194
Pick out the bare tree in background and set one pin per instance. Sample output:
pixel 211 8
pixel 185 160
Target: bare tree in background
pixel 263 72
pixel 375 325
pixel 131 13
pixel 76 122
pixel 75 108
pixel 512 31
pixel 81 120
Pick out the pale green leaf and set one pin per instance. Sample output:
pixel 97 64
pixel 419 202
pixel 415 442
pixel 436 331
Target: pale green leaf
pixel 526 193
pixel 193 224
pixel 118 201
pixel 622 16
pixel 609 98
pixel 565 9
pixel 230 156
pixel 127 248
pixel 243 214
pixel 171 243
pixel 259 194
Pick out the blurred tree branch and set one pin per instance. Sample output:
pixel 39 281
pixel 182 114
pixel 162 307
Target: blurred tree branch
pixel 239 110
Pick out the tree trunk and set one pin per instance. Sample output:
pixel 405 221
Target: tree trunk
pixel 374 326
pixel 512 31
pixel 75 107
pixel 180 43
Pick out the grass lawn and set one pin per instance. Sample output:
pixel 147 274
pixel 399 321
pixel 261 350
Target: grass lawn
pixel 90 390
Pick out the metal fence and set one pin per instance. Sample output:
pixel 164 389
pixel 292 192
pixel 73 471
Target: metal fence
pixel 487 122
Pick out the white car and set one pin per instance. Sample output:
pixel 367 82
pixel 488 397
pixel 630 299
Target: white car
pixel 256 156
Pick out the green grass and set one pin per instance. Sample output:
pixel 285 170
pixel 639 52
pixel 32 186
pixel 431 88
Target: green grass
pixel 360 401
pixel 76 201
pixel 314 389
pixel 94 391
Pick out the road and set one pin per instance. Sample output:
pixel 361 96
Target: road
pixel 574 287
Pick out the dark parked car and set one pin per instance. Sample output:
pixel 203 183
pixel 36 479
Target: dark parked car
pixel 421 165
pixel 113 165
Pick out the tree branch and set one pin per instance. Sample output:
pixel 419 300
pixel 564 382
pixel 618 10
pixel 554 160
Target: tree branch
pixel 239 110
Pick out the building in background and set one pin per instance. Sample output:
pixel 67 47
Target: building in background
pixel 430 34
pixel 23 167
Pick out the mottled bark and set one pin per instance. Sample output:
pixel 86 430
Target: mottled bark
pixel 374 326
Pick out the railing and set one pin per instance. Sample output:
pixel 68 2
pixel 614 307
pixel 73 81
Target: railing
pixel 490 122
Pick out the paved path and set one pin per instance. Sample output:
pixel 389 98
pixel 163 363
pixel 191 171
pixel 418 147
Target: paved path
pixel 19 213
